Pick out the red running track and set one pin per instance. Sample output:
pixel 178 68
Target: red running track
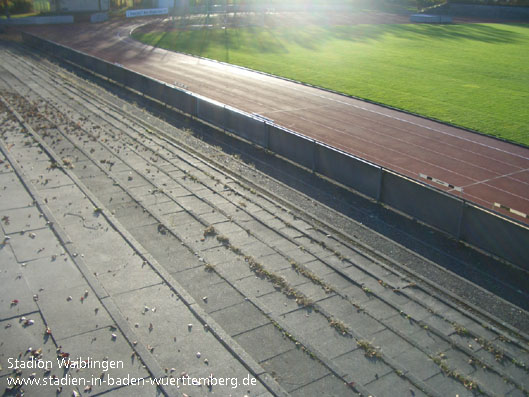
pixel 487 170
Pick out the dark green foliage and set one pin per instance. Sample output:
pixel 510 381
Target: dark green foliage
pixel 17 6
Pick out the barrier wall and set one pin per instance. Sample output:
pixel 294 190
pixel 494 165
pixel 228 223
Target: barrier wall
pixel 513 13
pixel 181 100
pixel 99 17
pixel 210 112
pixel 430 206
pixel 425 18
pixel 294 147
pixel 348 170
pixel 496 235
pixel 470 223
pixel 48 20
pixel 254 130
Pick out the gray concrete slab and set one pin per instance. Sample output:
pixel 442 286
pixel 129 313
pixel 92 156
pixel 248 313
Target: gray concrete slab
pixel 63 196
pixel 175 343
pixel 334 279
pixel 240 318
pixel 258 249
pixel 13 196
pixel 328 386
pixel 390 343
pixel 147 389
pixel 418 363
pixel 213 217
pixel 21 219
pixel 219 296
pixel 264 342
pixel 75 316
pixel 292 233
pixel 358 321
pixel 16 298
pixel 133 218
pixel 193 235
pixel 130 276
pixel 104 349
pixel 278 303
pixel 429 342
pixel 194 205
pixel 491 381
pixel 253 286
pixel 318 267
pixel 51 179
pixel 234 269
pixel 180 220
pixel 330 341
pixel 87 171
pixel 292 371
pixel 299 255
pixel 292 277
pixel 456 359
pixel 16 338
pixel 416 311
pixel 51 273
pixel 164 207
pixel 179 259
pixel 220 255
pixel 275 263
pixel 130 179
pixel 155 198
pixel 99 247
pixel 242 239
pixel 393 385
pixel 198 277
pixel 448 386
pixel 439 324
pixel 313 291
pixel 379 309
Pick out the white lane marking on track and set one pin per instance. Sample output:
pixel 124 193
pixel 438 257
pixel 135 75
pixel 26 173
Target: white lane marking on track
pixel 392 117
pixel 127 39
pixel 509 175
pixel 413 123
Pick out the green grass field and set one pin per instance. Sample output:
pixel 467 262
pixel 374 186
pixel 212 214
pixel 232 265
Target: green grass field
pixel 474 75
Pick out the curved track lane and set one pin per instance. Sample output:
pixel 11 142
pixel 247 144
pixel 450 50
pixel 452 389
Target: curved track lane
pixel 487 170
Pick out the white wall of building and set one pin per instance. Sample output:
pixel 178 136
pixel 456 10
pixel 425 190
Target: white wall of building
pixel 167 3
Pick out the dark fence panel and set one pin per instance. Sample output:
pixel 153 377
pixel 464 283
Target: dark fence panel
pixel 182 101
pixel 496 235
pixel 245 126
pixel 101 68
pixel 427 205
pixel 292 146
pixel 211 112
pixel 134 80
pixel 154 89
pixel 114 72
pixel 348 170
pixel 87 61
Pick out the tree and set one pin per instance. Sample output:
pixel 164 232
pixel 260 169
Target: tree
pixel 6 8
